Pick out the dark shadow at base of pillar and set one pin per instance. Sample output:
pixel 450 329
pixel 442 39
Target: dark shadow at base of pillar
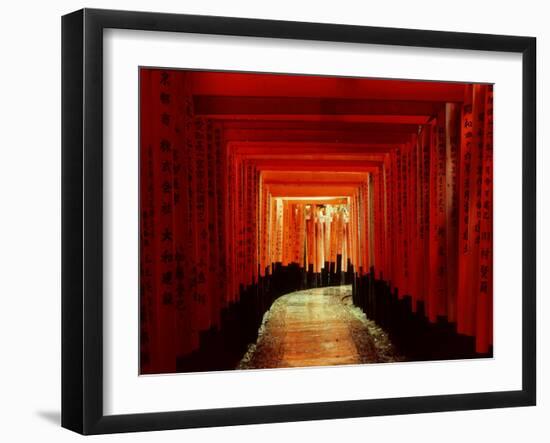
pixel 222 348
pixel 413 335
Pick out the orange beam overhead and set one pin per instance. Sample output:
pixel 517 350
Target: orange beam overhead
pixel 328 136
pixel 321 126
pixel 313 177
pixel 317 119
pixel 311 157
pixel 317 165
pixel 295 85
pixel 211 105
pixel 317 201
pixel 289 148
pixel 309 190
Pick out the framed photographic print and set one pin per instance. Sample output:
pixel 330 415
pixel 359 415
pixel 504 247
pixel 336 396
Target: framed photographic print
pixel 269 221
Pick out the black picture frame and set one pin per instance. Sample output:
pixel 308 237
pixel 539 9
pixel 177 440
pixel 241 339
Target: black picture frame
pixel 82 215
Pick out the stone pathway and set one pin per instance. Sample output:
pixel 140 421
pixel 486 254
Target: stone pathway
pixel 317 327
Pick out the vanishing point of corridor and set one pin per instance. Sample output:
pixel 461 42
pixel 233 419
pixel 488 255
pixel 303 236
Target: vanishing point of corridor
pixel 317 327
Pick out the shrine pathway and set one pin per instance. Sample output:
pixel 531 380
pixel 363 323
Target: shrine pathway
pixel 317 327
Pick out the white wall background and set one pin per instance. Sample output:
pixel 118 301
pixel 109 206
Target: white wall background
pixel 30 91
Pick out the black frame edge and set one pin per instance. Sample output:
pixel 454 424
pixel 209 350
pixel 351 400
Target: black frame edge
pixel 308 411
pixel 93 223
pixel 82 359
pixel 529 220
pixel 72 73
pixel 294 30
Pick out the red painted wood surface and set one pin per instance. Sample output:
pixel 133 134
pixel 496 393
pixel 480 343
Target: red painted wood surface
pixel 241 171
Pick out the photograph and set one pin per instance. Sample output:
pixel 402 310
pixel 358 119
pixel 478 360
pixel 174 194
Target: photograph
pixel 290 220
pixel 272 222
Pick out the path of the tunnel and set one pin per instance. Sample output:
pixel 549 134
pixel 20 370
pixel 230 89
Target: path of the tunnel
pixel 317 327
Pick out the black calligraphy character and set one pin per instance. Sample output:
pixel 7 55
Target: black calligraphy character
pixel 166 256
pixel 164 78
pixel 167 278
pixel 167 298
pixel 167 235
pixel 165 145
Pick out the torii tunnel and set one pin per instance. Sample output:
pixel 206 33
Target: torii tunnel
pixel 254 186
